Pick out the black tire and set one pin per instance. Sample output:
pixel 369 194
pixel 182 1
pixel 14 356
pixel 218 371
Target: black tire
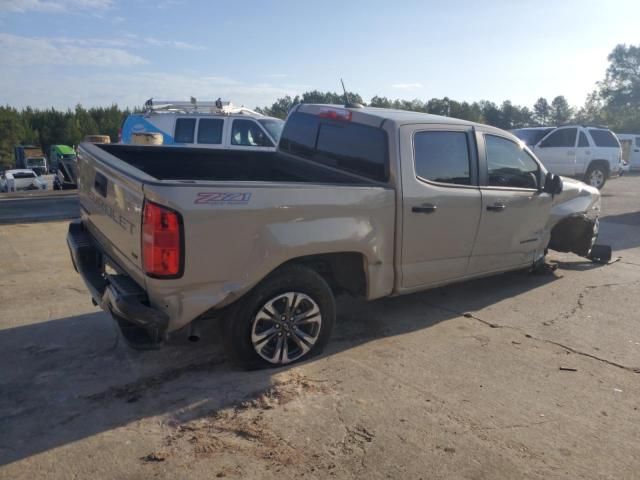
pixel 600 172
pixel 239 321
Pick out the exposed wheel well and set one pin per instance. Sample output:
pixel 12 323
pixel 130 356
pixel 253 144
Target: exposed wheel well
pixel 343 271
pixel 600 163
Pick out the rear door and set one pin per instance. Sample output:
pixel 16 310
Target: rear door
pixel 441 203
pixel 558 150
pixel 584 152
pixel 514 210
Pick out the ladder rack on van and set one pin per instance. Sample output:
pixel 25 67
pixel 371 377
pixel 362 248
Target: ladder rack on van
pixel 194 106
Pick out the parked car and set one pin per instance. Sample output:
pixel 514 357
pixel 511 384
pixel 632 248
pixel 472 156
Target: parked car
pixel 592 154
pixel 630 149
pixel 213 125
pixel 21 179
pixel 374 202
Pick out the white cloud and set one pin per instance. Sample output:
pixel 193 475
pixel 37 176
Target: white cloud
pixel 63 89
pixel 53 6
pixel 407 86
pixel 20 51
pixel 129 40
pixel 154 42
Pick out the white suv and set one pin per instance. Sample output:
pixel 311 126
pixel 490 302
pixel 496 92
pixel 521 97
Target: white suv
pixel 589 153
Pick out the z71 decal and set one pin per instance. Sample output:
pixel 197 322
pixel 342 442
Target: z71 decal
pixel 223 198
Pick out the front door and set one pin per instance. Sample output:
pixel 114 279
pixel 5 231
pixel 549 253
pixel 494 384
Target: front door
pixel 441 203
pixel 514 210
pixel 557 151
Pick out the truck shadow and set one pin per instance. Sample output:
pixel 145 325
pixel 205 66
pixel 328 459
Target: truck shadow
pixel 69 379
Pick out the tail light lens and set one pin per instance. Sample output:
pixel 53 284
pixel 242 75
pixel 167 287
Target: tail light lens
pixel 162 242
pixel 335 114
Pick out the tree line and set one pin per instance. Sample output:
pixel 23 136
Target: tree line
pixel 54 127
pixel 615 102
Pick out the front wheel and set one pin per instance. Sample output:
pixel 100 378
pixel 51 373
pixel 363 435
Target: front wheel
pixel 596 176
pixel 288 317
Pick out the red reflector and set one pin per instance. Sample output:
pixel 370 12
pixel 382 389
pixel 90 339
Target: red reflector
pixel 335 114
pixel 161 241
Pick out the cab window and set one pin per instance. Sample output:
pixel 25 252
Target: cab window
pixel 563 137
pixel 442 157
pixel 248 133
pixel 210 131
pixel 508 165
pixel 185 128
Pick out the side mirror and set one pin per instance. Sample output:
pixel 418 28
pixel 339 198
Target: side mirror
pixel 552 184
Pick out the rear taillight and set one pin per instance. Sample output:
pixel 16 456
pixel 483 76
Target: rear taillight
pixel 162 245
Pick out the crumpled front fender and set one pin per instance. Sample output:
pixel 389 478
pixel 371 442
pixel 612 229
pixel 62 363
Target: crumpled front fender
pixel 573 222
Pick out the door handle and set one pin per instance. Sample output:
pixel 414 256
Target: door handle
pixel 636 149
pixel 496 207
pixel 588 152
pixel 571 152
pixel 424 208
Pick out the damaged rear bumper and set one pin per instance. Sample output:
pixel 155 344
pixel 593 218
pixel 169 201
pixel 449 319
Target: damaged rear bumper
pixel 141 325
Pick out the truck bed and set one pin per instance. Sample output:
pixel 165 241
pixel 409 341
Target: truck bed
pixel 171 163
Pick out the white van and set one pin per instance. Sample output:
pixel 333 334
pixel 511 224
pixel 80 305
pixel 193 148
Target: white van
pixel 204 124
pixel 630 143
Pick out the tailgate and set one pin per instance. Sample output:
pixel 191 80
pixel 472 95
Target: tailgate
pixel 111 197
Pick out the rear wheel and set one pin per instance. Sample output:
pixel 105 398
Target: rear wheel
pixel 596 176
pixel 288 317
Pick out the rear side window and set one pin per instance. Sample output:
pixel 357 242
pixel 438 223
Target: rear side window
pixel 210 130
pixel 442 157
pixel 582 140
pixel 356 148
pixel 351 147
pixel 185 128
pixel 603 138
pixel 564 137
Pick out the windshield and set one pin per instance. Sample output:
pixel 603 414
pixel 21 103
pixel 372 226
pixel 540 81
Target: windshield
pixel 531 136
pixel 35 162
pixel 69 156
pixel 274 127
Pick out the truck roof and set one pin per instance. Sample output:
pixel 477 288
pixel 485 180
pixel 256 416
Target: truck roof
pixel 63 149
pixel 373 115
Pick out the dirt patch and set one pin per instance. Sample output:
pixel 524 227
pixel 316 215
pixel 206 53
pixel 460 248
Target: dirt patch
pixel 243 428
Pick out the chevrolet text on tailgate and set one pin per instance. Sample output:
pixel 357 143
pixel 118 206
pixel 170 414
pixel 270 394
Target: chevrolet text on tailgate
pixel 372 202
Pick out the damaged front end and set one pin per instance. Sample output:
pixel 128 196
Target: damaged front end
pixel 574 222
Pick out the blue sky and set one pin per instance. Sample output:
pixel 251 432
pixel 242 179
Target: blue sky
pixel 97 52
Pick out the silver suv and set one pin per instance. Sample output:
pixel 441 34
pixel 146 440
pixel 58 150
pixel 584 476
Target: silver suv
pixel 586 152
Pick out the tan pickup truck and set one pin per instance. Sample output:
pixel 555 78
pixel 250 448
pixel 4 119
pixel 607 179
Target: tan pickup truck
pixel 372 202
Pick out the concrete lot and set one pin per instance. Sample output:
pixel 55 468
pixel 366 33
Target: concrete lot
pixel 517 376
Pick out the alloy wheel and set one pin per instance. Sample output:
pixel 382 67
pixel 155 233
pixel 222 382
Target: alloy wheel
pixel 286 327
pixel 596 178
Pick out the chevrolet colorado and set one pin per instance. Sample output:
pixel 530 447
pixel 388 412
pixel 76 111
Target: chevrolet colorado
pixel 374 202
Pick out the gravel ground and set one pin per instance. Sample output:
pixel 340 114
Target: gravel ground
pixel 517 376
